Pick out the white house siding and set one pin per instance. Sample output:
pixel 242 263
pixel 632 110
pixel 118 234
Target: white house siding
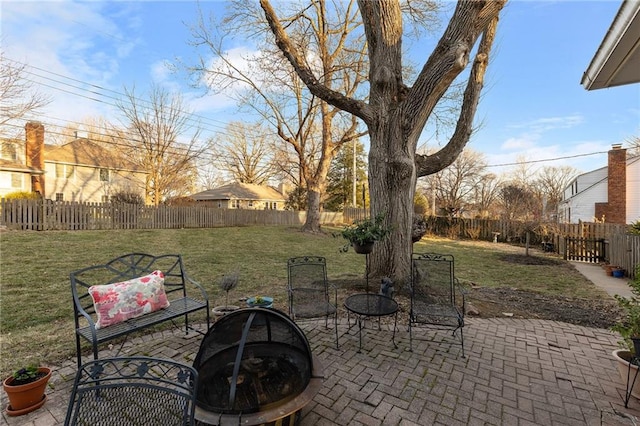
pixel 582 206
pixel 580 196
pixel 84 185
pixel 13 182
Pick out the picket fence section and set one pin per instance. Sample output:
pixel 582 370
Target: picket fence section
pixel 618 247
pixel 48 216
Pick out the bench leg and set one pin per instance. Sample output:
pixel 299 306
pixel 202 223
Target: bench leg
pixel 78 354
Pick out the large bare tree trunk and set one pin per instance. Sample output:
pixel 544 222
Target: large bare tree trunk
pixel 395 114
pixel 312 222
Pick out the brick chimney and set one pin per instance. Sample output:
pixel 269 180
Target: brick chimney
pixel 615 209
pixel 34 154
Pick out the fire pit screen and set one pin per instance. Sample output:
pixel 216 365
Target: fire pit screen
pixel 252 361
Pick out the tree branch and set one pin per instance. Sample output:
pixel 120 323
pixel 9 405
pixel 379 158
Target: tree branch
pixel 429 164
pixel 296 59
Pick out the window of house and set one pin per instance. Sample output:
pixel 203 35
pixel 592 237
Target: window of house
pixel 274 206
pixel 59 196
pixel 16 180
pixel 104 175
pixel 219 204
pixel 105 198
pixel 235 204
pixel 9 151
pixel 250 203
pixel 65 171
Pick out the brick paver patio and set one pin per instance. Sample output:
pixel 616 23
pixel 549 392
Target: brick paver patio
pixel 517 372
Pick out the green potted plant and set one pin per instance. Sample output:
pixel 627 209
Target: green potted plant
pixel 25 389
pixel 363 234
pixel 628 357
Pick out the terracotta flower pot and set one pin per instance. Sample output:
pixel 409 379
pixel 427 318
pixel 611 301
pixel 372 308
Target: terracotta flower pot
pixel 608 269
pixel 25 398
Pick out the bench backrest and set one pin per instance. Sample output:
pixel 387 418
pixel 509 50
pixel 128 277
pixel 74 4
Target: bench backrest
pixel 124 268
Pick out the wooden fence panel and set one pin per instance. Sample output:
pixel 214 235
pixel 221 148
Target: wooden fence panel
pixel 624 251
pixel 584 249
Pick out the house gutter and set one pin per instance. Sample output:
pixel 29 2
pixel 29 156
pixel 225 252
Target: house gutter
pixel 621 23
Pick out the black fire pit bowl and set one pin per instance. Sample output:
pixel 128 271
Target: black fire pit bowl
pixel 255 366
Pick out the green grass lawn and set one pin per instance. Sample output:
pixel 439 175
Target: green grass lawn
pixel 36 317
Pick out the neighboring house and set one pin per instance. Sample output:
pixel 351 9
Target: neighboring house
pixel 612 192
pixel 242 196
pixel 80 170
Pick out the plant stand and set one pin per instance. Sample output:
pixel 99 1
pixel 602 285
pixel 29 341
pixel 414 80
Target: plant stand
pixel 629 386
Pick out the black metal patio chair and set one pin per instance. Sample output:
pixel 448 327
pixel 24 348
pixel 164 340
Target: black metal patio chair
pixel 437 299
pixel 309 292
pixel 133 391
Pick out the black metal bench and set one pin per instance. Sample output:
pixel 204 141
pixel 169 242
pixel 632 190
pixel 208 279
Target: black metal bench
pixel 127 267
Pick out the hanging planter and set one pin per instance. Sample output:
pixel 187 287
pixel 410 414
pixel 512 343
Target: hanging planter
pixel 362 234
pixel 364 248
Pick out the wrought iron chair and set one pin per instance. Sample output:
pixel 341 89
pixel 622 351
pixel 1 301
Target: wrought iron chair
pixel 310 294
pixel 437 299
pixel 133 391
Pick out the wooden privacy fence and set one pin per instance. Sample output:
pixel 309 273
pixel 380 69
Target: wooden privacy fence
pixel 619 247
pixel 584 249
pixel 624 251
pixel 54 215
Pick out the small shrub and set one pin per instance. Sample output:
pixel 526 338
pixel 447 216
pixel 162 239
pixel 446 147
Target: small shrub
pixel 22 195
pixel 127 198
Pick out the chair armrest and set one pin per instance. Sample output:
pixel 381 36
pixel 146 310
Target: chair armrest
pixel 198 286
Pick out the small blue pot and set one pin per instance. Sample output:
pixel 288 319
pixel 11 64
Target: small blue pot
pixel 267 302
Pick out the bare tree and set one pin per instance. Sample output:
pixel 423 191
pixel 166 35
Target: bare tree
pixel 485 195
pixel 633 145
pixel 518 202
pixel 455 185
pixel 208 178
pixel 244 153
pixel 395 114
pixel 164 140
pixel 96 129
pixel 313 130
pixel 18 96
pixel 551 183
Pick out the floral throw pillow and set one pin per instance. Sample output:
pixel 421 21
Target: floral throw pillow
pixel 118 302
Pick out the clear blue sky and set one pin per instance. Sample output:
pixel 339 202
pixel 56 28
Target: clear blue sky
pixel 533 105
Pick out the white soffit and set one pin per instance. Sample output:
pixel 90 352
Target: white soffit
pixel 617 60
